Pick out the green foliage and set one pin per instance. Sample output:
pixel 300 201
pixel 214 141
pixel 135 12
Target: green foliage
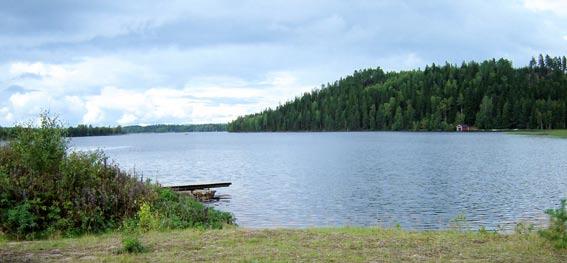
pixel 484 116
pixel 556 232
pixel 39 151
pixel 45 190
pixel 177 211
pixel 148 219
pixel 21 220
pixel 491 95
pixel 132 244
pixel 131 232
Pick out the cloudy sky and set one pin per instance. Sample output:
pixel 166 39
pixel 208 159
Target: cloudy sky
pixel 147 62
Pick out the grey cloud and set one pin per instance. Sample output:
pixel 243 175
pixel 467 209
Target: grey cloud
pixel 319 41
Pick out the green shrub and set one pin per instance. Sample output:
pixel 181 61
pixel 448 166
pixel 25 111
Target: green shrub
pixel 131 236
pixel 21 220
pixel 132 244
pixel 148 220
pixel 556 232
pixel 178 211
pixel 46 190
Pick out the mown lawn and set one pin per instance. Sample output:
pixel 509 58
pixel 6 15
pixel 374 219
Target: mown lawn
pixel 284 245
pixel 551 133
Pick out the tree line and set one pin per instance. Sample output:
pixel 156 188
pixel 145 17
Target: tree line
pixel 211 127
pixel 82 130
pixel 489 95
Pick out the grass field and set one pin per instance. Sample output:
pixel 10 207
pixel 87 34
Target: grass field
pixel 282 245
pixel 550 133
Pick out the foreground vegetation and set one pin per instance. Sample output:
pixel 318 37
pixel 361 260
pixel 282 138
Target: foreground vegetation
pixel 307 245
pixel 489 95
pixel 47 191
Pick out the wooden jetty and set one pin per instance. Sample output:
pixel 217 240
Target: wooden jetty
pixel 201 191
pixel 198 186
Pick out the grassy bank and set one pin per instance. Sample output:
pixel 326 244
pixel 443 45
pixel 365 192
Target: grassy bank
pixel 326 245
pixel 550 133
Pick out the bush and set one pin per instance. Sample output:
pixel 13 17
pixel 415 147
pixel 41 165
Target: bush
pixel 45 190
pixel 132 244
pixel 177 211
pixel 556 232
pixel 21 220
pixel 148 220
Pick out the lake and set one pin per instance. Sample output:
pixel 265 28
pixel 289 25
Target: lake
pixel 416 180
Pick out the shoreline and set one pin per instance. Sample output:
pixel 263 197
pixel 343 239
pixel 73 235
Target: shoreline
pixel 557 133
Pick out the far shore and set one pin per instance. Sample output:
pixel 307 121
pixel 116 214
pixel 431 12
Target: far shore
pixel 558 133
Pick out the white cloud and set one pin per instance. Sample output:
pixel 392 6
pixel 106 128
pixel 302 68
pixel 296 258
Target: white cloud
pixel 127 118
pixel 80 76
pixel 6 115
pixel 112 90
pixel 202 100
pixel 565 37
pixel 558 7
pixel 191 104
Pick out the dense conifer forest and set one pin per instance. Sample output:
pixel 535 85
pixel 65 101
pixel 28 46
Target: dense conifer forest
pixel 489 95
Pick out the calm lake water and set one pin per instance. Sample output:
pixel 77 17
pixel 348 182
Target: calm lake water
pixel 416 180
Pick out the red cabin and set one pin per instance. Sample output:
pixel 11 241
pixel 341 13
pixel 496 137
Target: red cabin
pixel 463 128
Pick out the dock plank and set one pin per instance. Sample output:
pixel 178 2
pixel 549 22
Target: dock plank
pixel 198 186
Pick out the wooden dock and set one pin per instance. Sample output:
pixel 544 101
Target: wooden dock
pixel 198 186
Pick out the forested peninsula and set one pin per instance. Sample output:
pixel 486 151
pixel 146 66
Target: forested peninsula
pixel 488 95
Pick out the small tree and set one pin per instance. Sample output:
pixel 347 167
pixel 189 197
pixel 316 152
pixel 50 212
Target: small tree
pixel 556 232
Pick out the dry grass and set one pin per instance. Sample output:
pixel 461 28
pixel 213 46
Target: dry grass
pixel 283 245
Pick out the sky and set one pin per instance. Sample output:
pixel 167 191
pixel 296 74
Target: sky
pixel 178 62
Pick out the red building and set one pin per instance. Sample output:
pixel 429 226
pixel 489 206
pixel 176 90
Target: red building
pixel 463 128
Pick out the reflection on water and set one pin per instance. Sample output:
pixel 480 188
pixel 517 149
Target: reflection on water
pixel 417 180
